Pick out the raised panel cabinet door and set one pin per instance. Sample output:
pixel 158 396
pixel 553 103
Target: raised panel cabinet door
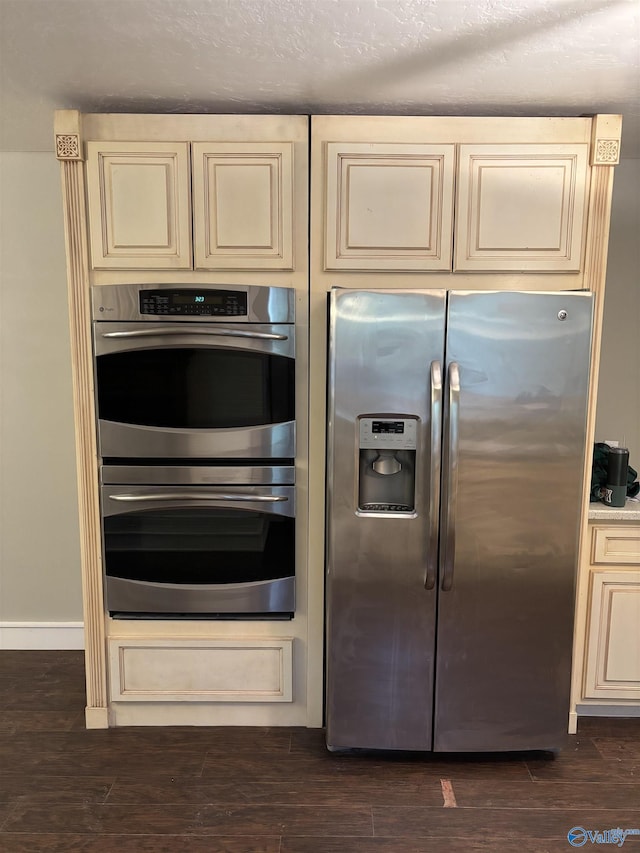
pixel 613 646
pixel 243 205
pixel 619 545
pixel 521 207
pixel 388 206
pixel 214 670
pixel 139 205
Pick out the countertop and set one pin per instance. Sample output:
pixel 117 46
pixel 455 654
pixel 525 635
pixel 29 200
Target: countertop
pixel 629 512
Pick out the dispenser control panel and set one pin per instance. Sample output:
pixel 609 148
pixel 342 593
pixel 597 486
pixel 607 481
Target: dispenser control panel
pixel 388 433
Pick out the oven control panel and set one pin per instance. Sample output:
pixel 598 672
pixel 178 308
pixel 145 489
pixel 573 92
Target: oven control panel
pixel 194 303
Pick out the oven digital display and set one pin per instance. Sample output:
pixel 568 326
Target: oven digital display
pixel 190 303
pixel 198 299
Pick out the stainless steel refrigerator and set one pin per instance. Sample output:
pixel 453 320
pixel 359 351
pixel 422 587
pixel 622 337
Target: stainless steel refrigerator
pixel 456 442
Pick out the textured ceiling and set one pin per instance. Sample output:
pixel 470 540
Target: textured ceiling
pixel 457 57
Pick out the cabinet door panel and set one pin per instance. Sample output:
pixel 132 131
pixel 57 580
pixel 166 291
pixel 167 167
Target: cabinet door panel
pixel 243 205
pixel 389 206
pixel 521 207
pixel 613 649
pixel 139 205
pixel 616 545
pixel 216 670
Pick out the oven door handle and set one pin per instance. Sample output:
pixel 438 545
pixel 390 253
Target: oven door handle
pixel 226 333
pixel 197 496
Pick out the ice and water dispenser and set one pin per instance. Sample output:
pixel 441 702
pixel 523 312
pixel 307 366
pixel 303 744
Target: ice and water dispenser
pixel 387 463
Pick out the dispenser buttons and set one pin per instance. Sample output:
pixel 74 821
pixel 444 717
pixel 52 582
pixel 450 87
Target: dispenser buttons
pixel 371 507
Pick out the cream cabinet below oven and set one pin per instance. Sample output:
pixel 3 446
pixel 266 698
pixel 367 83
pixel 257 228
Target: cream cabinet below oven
pixel 193 669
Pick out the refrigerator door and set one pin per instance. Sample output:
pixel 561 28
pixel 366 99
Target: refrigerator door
pixel 514 443
pixel 385 353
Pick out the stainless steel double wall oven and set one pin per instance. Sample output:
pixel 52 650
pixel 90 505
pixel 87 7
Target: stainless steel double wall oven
pixel 195 394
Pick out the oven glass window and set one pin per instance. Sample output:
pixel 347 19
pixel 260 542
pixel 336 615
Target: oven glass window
pixel 199 546
pixel 195 388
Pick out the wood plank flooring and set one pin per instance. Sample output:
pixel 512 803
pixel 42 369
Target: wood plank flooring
pixel 225 790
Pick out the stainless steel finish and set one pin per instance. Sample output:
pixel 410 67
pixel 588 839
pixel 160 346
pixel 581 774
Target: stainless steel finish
pixel 434 473
pixel 387 465
pixel 512 465
pixel 274 596
pixel 505 629
pixel 166 330
pixel 132 489
pixel 200 475
pixel 126 337
pixel 264 442
pixel 264 304
pixel 380 618
pixel 198 496
pixel 450 487
pixel 115 439
pixel 130 596
pixel 281 499
pixel 260 492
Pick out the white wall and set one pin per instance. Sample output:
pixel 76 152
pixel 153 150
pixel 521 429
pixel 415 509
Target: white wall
pixel 619 391
pixel 39 538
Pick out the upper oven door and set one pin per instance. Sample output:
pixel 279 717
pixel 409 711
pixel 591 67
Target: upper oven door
pixel 198 390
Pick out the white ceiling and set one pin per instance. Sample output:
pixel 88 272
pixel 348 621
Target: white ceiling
pixel 424 57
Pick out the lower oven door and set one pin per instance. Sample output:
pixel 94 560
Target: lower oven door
pixel 199 550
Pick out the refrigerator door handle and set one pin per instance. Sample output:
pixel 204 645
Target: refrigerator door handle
pixel 434 474
pixel 448 552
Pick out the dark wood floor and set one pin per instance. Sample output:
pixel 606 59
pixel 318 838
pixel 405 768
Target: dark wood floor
pixel 247 790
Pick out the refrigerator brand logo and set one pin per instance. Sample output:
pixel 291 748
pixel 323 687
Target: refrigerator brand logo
pixel 578 836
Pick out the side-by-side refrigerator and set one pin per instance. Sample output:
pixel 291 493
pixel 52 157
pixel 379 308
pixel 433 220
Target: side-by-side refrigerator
pixel 456 449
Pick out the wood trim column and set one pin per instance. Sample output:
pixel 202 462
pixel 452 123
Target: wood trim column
pixel 605 149
pixel 69 150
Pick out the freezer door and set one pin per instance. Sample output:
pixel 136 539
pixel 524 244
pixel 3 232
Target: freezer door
pixel 514 444
pixel 386 348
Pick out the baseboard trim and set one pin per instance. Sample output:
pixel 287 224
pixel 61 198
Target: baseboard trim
pixel 41 635
pixel 608 710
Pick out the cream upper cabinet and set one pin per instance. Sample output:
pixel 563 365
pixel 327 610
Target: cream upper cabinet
pixel 243 205
pixel 612 664
pixel 388 206
pixel 419 195
pixel 147 200
pixel 521 207
pixel 139 205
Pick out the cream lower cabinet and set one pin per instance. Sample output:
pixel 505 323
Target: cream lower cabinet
pixel 149 202
pixel 612 663
pixel 195 670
